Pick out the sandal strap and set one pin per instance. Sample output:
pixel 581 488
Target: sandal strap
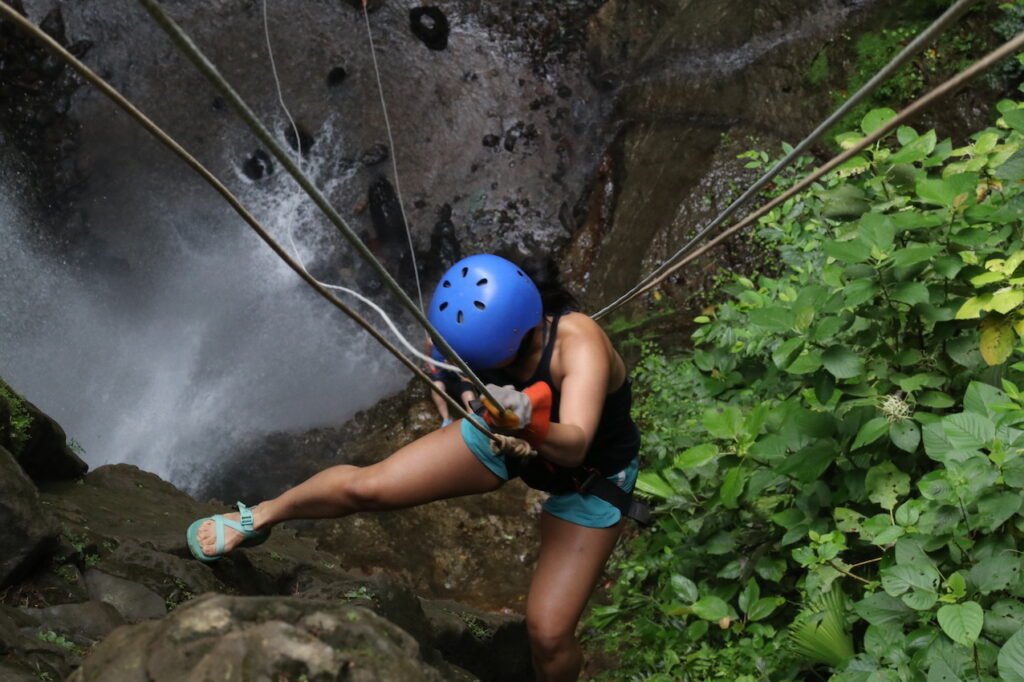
pixel 246 517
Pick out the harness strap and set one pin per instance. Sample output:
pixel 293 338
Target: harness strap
pixel 597 485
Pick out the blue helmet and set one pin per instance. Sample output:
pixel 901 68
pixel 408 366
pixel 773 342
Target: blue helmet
pixel 483 307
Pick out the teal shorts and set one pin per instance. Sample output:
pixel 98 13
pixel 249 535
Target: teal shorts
pixel 583 510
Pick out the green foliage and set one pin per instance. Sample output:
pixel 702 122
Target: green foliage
pixel 855 423
pixel 51 637
pixel 849 63
pixel 20 419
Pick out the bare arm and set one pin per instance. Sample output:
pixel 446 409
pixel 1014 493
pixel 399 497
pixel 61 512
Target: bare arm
pixel 584 357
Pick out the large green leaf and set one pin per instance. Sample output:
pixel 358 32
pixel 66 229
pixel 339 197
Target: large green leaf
pixel 764 607
pixel 962 622
pixel 787 352
pixel 918 253
pixel 997 339
pixel 842 362
pixel 906 435
pixel 995 573
pixel 949 190
pixel 697 456
pixel 732 486
pixel 845 202
pixel 910 293
pixel 652 484
pixel 1012 170
pixel 870 432
pixel 1015 119
pixel 726 424
pixel 968 431
pixel 996 508
pixel 711 608
pixel 875 119
pixel 854 251
pixel 885 484
pixel 685 588
pixel 880 608
pixel 916 150
pixel 1011 657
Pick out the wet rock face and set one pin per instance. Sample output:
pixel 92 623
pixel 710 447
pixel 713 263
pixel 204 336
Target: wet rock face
pixel 258 166
pixel 27 533
pixel 35 95
pixel 430 25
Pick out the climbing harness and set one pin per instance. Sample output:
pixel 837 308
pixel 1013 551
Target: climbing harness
pixel 522 461
pixel 165 139
pixel 185 43
pixel 915 46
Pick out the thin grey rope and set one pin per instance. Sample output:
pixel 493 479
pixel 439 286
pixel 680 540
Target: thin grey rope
pixel 394 156
pixel 277 85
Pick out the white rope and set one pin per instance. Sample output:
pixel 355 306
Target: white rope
pixel 277 85
pixel 376 308
pixel 295 252
pixel 394 156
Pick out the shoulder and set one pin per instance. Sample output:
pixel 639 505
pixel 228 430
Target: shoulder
pixel 579 327
pixel 580 337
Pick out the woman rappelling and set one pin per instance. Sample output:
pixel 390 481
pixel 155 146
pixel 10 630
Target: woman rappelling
pixel 566 428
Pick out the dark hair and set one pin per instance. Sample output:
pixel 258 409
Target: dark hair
pixel 545 274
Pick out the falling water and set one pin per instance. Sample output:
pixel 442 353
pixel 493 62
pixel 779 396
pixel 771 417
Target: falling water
pixel 192 337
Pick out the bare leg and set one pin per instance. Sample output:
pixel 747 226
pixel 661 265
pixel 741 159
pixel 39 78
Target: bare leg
pixel 439 403
pixel 437 466
pixel 571 560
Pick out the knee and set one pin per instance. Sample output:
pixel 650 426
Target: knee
pixel 548 639
pixel 362 491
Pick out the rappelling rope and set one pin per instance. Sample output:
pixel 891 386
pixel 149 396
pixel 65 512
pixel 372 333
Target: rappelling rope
pixel 376 308
pixel 151 127
pixel 295 252
pixel 196 56
pixel 277 85
pixel 392 151
pixel 926 36
pixel 986 62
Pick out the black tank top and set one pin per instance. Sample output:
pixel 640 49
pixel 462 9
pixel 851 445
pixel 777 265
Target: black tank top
pixel 617 439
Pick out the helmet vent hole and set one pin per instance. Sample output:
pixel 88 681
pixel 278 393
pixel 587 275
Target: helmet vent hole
pixel 520 273
pixel 479 305
pixel 458 317
pixel 482 282
pixel 443 306
pixel 447 284
pixel 465 271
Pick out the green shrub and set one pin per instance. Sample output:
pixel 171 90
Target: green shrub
pixel 853 426
pixel 20 425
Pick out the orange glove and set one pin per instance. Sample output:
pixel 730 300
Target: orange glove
pixel 528 410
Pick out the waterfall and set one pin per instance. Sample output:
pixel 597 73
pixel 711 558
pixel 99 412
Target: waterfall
pixel 190 337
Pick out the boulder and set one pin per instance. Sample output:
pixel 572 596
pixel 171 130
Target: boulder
pixel 27 533
pixel 37 442
pixel 218 637
pixel 28 655
pixel 84 623
pixel 134 602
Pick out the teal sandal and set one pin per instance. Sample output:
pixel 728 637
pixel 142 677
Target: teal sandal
pixel 251 536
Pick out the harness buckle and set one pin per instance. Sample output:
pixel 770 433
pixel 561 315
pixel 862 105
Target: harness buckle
pixel 587 483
